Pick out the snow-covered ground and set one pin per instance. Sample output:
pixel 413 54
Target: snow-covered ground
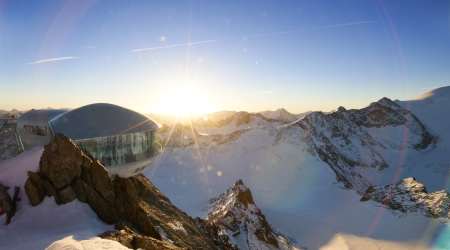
pixel 298 195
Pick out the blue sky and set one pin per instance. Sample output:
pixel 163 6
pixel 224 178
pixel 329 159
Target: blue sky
pixel 244 55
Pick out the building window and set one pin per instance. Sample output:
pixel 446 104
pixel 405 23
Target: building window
pixel 29 128
pixel 121 149
pixel 38 130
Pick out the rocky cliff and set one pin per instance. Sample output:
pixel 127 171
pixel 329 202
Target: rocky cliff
pixel 408 195
pixel 143 216
pixel 235 214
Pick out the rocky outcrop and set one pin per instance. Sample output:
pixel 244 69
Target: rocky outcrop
pixel 61 161
pixel 174 225
pixel 35 189
pixel 408 195
pixel 140 212
pixel 66 174
pixel 235 210
pixel 216 234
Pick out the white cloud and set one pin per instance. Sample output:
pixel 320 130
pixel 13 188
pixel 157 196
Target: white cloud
pixel 53 59
pixel 319 28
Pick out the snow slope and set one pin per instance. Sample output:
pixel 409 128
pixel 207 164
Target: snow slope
pixel 432 108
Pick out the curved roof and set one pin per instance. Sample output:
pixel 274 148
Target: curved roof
pixel 39 117
pixel 36 118
pixel 100 120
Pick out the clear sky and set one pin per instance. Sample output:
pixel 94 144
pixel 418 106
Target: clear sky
pixel 201 56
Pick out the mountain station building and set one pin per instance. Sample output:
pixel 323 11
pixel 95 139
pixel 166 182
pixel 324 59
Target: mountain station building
pixel 124 141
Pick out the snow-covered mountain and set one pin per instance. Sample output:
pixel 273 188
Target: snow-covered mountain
pixel 171 120
pixel 301 115
pixel 238 121
pixel 346 139
pixel 279 114
pixel 236 214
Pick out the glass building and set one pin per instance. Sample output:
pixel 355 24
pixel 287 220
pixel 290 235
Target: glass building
pixel 124 141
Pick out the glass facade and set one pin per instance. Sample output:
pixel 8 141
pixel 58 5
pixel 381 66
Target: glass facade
pixel 38 130
pixel 121 149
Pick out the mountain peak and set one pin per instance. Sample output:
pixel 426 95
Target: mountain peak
pixel 387 102
pixel 243 194
pixel 236 210
pixel 239 183
pixel 280 114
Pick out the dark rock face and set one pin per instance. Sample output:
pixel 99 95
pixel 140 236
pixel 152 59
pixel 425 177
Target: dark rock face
pixel 101 207
pixel 213 231
pixel 244 195
pixel 5 200
pixel 172 223
pixel 67 195
pixel 35 189
pixel 236 208
pixel 134 204
pixel 61 152
pixel 408 195
pixel 101 182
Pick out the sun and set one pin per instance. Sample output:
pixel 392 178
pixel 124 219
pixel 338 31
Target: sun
pixel 184 101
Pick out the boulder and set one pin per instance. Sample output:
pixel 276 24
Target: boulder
pixel 78 188
pixel 86 170
pixel 35 189
pixel 66 195
pixel 61 161
pixel 51 191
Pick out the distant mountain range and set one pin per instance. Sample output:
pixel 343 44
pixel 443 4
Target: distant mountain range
pixel 216 117
pixel 282 158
